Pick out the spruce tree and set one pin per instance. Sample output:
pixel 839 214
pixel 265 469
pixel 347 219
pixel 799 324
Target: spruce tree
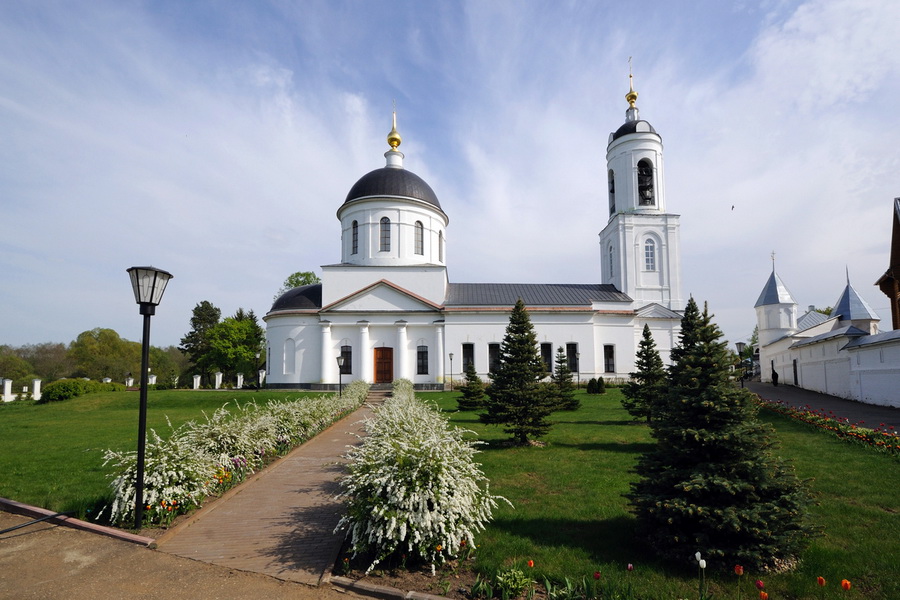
pixel 712 483
pixel 561 380
pixel 516 397
pixel 473 390
pixel 648 383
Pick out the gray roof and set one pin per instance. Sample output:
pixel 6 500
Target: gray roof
pixel 636 126
pixel 775 292
pixel 811 319
pixel 848 331
pixel 878 338
pixel 850 306
pixel 393 182
pixel 532 294
pixel 303 297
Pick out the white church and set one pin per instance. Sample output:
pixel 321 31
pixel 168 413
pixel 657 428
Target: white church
pixel 388 309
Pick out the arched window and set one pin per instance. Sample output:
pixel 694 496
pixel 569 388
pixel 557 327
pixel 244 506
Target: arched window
pixel 646 193
pixel 441 247
pixel 355 247
pixel 385 234
pixel 612 193
pixel 611 261
pixel 649 255
pixel 420 238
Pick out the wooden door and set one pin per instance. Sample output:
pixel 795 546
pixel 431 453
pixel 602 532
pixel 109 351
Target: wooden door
pixel 384 365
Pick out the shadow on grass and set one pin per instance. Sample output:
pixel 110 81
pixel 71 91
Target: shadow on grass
pixel 627 448
pixel 622 423
pixel 605 540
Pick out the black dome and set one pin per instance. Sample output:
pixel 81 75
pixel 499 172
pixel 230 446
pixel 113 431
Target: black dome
pixel 392 181
pixel 305 296
pixel 638 126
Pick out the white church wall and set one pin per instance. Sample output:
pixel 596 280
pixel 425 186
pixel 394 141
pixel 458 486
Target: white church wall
pixel 403 215
pixel 340 281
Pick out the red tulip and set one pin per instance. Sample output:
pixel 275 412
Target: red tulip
pixel 759 584
pixel 531 563
pixel 738 570
pixel 820 581
pixel 763 596
pixel 596 574
pixel 845 584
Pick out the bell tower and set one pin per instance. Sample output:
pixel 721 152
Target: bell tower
pixel 640 248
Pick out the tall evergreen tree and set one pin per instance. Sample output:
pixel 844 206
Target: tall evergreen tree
pixel 473 390
pixel 516 397
pixel 561 381
pixel 195 344
pixel 711 483
pixel 648 384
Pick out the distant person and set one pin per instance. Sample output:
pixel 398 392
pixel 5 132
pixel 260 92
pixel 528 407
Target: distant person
pixel 775 378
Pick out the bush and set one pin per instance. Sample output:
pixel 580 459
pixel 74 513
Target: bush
pixel 413 486
pixel 473 390
pixel 592 385
pixel 601 386
pixel 66 389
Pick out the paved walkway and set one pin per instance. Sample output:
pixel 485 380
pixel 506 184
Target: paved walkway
pixel 281 521
pixel 871 416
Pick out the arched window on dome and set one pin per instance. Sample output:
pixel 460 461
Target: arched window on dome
pixel 441 247
pixel 649 254
pixel 385 235
pixel 420 238
pixel 612 193
pixel 646 192
pixel 355 247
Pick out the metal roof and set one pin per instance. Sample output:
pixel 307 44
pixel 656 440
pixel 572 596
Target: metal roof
pixel 849 331
pixel 811 319
pixel 392 182
pixel 850 306
pixel 775 292
pixel 878 338
pixel 305 296
pixel 532 294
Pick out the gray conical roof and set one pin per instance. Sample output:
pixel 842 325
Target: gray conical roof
pixel 775 292
pixel 850 306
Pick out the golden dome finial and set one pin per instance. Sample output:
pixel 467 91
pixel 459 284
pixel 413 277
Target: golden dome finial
pixel 393 138
pixel 632 95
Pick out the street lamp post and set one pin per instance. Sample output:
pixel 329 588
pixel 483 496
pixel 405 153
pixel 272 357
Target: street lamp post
pixel 340 362
pixel 740 351
pixel 451 371
pixel 148 284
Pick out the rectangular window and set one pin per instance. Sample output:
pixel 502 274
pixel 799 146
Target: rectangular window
pixel 547 356
pixel 493 357
pixel 609 359
pixel 468 355
pixel 347 355
pixel 355 247
pixel 572 357
pixel 422 360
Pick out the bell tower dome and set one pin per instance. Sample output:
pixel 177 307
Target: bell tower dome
pixel 640 245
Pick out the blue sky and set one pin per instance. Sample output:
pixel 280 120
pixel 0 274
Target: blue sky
pixel 217 140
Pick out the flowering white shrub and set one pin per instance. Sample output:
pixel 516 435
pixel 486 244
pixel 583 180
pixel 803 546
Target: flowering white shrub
pixel 176 479
pixel 412 485
pixel 203 458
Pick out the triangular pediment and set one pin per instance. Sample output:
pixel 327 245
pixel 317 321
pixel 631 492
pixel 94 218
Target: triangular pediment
pixel 381 296
pixel 656 311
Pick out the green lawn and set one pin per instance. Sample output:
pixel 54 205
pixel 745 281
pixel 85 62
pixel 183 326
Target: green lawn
pixel 51 455
pixel 571 519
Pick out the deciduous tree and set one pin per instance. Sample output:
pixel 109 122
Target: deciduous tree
pixel 296 280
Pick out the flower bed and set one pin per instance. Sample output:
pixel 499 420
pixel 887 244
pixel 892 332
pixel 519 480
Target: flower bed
pixel 883 438
pixel 201 459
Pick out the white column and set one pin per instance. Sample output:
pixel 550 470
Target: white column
pixel 151 379
pixel 7 390
pixel 404 372
pixel 218 379
pixel 326 373
pixel 196 382
pixel 366 366
pixel 36 389
pixel 439 351
pixel 240 380
pixel 262 377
